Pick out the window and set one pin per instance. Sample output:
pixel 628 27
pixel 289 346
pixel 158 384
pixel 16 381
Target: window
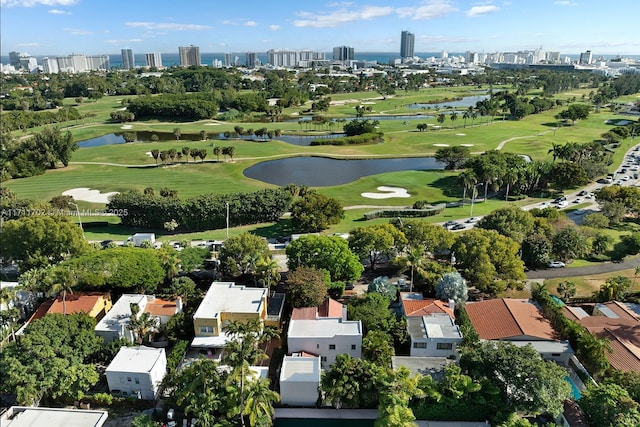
pixel 419 345
pixel 444 346
pixel 323 358
pixel 317 345
pixel 128 379
pixel 121 380
pixel 332 346
pixel 353 346
pixel 206 329
pixel 137 380
pixel 555 354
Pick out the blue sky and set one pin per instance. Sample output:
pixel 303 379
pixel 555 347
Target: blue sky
pixel 60 27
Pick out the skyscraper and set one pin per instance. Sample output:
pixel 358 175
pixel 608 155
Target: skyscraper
pixel 407 42
pixel 189 55
pixel 343 53
pixel 251 60
pixel 127 59
pixel 153 59
pixel 586 57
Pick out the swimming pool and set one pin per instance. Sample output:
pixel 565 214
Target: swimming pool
pixel 574 388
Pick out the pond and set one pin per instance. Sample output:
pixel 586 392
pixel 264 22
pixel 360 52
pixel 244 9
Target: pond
pixel 467 101
pixel 417 116
pixel 117 138
pixel 322 171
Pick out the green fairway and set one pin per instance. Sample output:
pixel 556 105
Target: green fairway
pixel 108 168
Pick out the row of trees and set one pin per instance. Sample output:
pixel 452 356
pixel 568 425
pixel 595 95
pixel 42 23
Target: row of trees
pixel 204 212
pixel 22 120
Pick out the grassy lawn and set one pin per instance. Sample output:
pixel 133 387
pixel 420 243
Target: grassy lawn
pixel 533 135
pixel 587 285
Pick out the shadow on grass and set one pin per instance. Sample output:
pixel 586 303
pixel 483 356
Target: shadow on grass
pixel 449 186
pixel 282 228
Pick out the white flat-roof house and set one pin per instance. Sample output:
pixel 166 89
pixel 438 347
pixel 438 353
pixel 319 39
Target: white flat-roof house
pixel 435 335
pixel 299 380
pixel 225 302
pixel 137 372
pixel 326 337
pixel 115 324
pixel 26 416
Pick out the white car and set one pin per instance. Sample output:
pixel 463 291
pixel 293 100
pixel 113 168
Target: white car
pixel 562 204
pixel 556 264
pixel 578 200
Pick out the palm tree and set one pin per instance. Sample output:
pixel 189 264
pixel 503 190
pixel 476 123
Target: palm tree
pixel 216 152
pixel 511 177
pixel 441 118
pixel 414 258
pixel 231 152
pixel 259 402
pixel 636 271
pixel 143 327
pixel 177 133
pixel 465 116
pixel 186 151
pixel 453 117
pixel 155 153
pixel 268 272
pixel 469 181
pixel 62 280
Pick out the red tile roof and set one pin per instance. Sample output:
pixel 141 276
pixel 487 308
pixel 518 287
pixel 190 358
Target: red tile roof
pixel 414 304
pixel 78 302
pixel 304 313
pixel 509 318
pixel 330 308
pixel 160 307
pixel 624 336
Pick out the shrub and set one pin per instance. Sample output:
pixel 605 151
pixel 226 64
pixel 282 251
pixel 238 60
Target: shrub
pixel 415 213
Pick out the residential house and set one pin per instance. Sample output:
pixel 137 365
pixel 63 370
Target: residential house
pixel 435 335
pixel 617 322
pixel 137 372
pixel 414 304
pixel 95 304
pixel 300 379
pixel 115 324
pixel 325 336
pixel 226 302
pixel 518 321
pixel 27 416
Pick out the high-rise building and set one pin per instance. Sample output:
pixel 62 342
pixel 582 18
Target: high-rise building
pixel 189 55
pixel 14 59
pixel 585 57
pixel 282 58
pixel 127 59
pixel 153 59
pixel 228 62
pixel 343 53
pixel 251 60
pixel 98 62
pixel 407 42
pixel 50 65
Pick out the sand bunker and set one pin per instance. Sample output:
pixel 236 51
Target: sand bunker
pixel 212 124
pixel 461 134
pixel 368 103
pixel 440 145
pixel 466 145
pixel 388 193
pixel 88 195
pixel 126 126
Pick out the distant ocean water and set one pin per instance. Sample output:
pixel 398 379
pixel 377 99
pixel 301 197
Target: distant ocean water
pixel 169 59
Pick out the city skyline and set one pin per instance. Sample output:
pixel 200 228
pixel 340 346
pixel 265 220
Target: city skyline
pixel 57 27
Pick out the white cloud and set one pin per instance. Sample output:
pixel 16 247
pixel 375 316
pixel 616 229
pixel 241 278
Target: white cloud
pixel 250 24
pixel 167 26
pixel 429 9
pixel 482 10
pixel 565 3
pixel 58 12
pixel 340 16
pixel 274 27
pixel 29 44
pixel 123 42
pixel 78 32
pixel 32 3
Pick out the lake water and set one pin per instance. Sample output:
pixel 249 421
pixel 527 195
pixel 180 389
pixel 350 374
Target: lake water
pixel 322 171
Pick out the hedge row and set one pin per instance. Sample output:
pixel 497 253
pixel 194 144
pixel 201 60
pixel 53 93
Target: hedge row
pixel 365 138
pixel 415 213
pixel 203 212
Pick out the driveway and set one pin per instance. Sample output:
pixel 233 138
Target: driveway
pixel 608 267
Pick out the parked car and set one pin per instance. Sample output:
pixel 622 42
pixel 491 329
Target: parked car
pixel 562 204
pixel 449 224
pixel 458 227
pixel 556 264
pixel 472 220
pixel 583 193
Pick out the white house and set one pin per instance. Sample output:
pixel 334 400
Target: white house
pixel 326 337
pixel 137 372
pixel 25 416
pixel 115 324
pixel 299 380
pixel 433 336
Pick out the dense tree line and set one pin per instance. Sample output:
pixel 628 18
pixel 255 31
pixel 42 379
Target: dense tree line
pixel 204 212
pixel 187 107
pixel 21 119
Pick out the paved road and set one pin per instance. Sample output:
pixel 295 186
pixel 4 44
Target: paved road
pixel 608 267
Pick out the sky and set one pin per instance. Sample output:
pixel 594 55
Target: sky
pixel 62 27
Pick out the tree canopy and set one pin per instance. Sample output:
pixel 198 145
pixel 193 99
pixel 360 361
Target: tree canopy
pixel 329 253
pixel 315 212
pixel 307 286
